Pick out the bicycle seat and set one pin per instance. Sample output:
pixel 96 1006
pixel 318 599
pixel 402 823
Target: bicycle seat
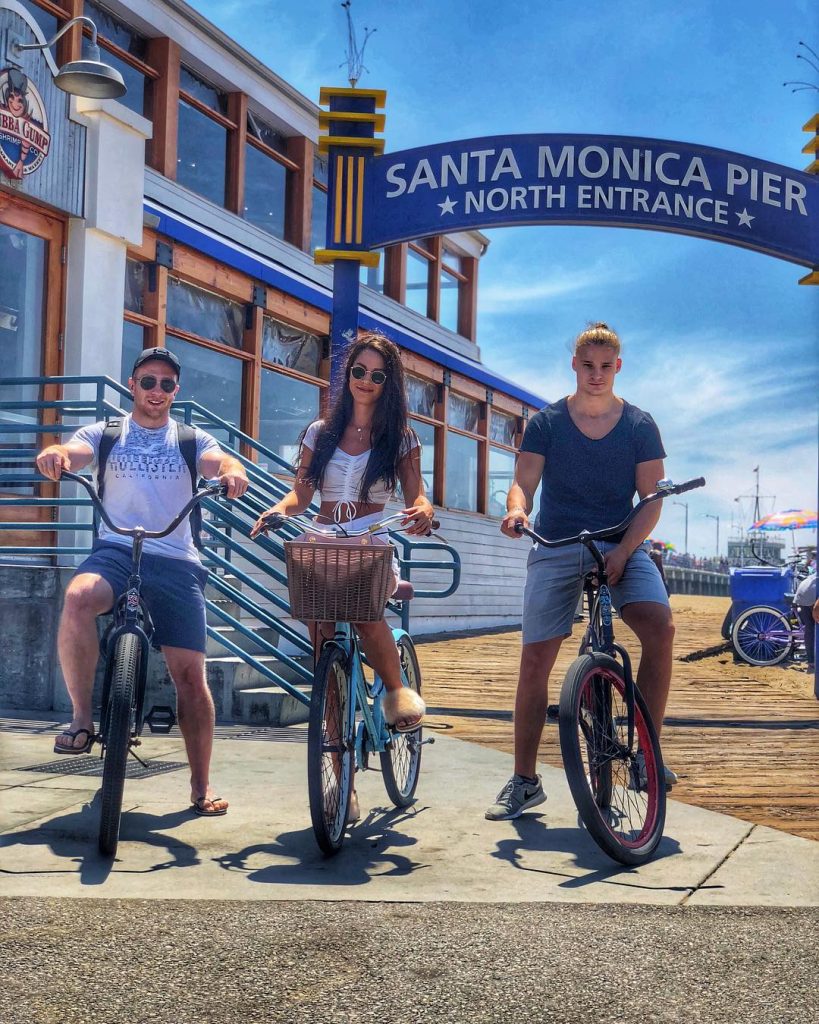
pixel 404 592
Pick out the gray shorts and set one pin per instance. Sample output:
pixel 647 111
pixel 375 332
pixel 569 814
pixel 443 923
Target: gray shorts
pixel 554 582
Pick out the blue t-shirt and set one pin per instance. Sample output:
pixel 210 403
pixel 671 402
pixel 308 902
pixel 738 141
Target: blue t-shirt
pixel 588 484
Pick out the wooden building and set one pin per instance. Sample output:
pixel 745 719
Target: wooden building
pixel 185 215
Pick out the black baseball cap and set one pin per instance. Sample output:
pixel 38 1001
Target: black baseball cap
pixel 163 354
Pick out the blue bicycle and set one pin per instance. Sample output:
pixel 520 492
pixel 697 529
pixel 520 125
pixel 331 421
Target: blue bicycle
pixel 344 578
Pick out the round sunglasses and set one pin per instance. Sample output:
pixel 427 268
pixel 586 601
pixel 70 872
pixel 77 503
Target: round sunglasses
pixel 148 383
pixel 360 372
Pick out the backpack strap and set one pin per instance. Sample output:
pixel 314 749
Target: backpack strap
pixel 186 435
pixel 110 435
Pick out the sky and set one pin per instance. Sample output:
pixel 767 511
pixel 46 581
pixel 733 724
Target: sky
pixel 720 344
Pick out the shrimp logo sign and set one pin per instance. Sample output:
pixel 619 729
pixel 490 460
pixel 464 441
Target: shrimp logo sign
pixel 24 138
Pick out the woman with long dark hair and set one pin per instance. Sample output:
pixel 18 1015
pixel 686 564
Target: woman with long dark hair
pixel 355 458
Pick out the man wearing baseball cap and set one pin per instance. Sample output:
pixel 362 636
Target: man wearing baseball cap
pixel 146 483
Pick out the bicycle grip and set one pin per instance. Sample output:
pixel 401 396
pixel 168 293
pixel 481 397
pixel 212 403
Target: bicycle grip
pixel 690 485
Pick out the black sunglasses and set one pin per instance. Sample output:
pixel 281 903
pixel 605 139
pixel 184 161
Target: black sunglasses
pixel 148 383
pixel 360 372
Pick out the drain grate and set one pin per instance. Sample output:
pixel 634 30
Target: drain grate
pixel 92 765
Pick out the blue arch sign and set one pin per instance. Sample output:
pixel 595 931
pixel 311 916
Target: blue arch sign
pixel 610 181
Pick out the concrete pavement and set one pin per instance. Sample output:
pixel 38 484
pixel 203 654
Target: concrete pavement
pixel 441 849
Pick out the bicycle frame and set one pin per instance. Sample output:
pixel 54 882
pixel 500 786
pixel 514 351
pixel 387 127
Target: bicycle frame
pixel 372 735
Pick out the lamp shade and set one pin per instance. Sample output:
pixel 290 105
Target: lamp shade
pixel 91 78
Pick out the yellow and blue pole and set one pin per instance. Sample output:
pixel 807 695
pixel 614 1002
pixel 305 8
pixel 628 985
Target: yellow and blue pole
pixel 350 123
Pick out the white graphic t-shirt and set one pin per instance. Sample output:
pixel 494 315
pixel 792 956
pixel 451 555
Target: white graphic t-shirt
pixel 147 483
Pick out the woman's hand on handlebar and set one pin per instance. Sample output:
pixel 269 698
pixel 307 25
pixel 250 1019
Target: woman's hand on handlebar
pixel 420 517
pixel 510 521
pixel 269 520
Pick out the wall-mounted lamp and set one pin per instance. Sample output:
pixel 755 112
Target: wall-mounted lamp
pixel 89 77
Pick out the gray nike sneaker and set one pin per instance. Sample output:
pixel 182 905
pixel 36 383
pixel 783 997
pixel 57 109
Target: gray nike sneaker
pixel 639 778
pixel 517 796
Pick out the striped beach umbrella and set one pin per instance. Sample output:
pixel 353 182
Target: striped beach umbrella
pixel 790 519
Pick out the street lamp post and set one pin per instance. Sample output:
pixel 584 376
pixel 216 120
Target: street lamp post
pixel 685 506
pixel 709 515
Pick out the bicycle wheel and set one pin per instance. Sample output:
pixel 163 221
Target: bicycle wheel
pixel 330 754
pixel 116 730
pixel 762 636
pixel 622 808
pixel 401 761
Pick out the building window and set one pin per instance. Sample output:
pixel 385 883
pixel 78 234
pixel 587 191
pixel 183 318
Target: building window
pixel 462 472
pixel 125 50
pixel 266 177
pixel 503 428
pixel 290 347
pixel 373 277
pixel 288 405
pixel 421 395
pixel 450 279
pixel 134 340
pixel 318 224
pixel 205 314
pixel 202 139
pixel 418 276
pixel 211 378
pixel 501 475
pixel 464 413
pixel 135 283
pixel 426 435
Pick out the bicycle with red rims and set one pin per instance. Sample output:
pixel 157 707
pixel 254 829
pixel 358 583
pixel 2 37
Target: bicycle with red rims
pixel 610 749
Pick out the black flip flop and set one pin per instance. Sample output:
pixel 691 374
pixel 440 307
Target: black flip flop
pixel 198 807
pixel 84 749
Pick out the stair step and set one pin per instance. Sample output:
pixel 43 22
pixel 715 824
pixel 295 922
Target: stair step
pixel 215 649
pixel 269 705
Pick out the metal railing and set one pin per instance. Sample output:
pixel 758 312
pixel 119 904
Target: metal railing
pixel 249 574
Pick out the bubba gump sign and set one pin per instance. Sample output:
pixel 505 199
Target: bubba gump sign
pixel 24 137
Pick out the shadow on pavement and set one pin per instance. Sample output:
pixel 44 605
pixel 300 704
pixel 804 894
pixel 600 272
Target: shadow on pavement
pixel 369 847
pixel 74 838
pixel 535 836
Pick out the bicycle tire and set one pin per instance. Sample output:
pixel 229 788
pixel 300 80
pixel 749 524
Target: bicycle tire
pixel 118 717
pixel 762 636
pixel 401 761
pixel 330 749
pixel 624 818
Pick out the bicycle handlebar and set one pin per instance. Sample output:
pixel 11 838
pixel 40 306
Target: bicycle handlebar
pixel 212 487
pixel 665 488
pixel 276 520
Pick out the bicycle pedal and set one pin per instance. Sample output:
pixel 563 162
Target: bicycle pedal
pixel 423 743
pixel 160 719
pixel 552 712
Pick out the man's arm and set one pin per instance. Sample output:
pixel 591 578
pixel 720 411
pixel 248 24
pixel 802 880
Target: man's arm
pixel 72 456
pixel 519 500
pixel 646 476
pixel 229 470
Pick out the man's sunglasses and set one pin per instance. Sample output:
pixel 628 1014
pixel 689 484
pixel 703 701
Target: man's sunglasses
pixel 148 383
pixel 360 372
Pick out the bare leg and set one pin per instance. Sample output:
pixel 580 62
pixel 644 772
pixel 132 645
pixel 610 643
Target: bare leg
pixel 379 646
pixel 88 595
pixel 654 628
pixel 196 717
pixel 531 700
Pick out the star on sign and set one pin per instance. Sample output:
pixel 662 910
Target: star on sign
pixel 448 205
pixel 745 218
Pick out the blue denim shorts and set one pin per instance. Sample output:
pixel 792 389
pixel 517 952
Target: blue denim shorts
pixel 172 588
pixel 554 582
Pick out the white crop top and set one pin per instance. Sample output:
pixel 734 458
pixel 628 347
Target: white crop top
pixel 344 473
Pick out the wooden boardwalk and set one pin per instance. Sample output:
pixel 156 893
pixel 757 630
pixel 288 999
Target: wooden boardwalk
pixel 744 740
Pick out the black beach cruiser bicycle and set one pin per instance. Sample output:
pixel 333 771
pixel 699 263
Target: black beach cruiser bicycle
pixel 125 647
pixel 610 750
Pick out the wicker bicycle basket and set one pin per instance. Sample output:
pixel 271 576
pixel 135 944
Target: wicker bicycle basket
pixel 338 579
